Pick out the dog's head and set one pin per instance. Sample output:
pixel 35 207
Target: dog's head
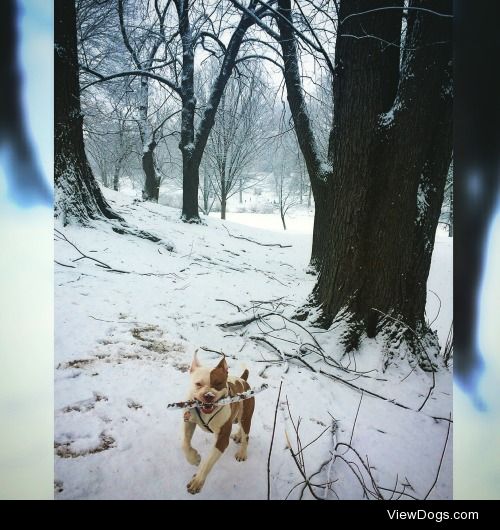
pixel 208 385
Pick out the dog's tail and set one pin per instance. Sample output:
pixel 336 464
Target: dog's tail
pixel 244 375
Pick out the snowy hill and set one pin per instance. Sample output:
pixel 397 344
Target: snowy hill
pixel 124 341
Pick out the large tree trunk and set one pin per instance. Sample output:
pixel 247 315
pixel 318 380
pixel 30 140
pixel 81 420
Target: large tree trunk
pixel 322 218
pixel 78 196
pixel 27 184
pixel 391 153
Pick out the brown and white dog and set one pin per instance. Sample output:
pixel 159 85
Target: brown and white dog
pixel 208 385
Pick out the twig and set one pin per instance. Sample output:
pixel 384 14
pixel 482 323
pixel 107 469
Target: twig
pixel 244 322
pixel 117 321
pixel 356 418
pixel 204 348
pixel 228 302
pixel 82 255
pixel 271 446
pixel 64 264
pixel 440 460
pixel 257 242
pixel 299 465
pixel 283 354
pixel 439 308
pixel 241 396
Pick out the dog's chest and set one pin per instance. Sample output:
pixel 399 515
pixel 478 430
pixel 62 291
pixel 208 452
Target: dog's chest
pixel 212 422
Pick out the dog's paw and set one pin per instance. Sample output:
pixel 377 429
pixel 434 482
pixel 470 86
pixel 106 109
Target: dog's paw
pixel 195 485
pixel 193 457
pixel 236 437
pixel 241 455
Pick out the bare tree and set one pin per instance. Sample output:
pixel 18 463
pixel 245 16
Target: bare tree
pixel 286 190
pixel 237 137
pixel 156 45
pixel 110 143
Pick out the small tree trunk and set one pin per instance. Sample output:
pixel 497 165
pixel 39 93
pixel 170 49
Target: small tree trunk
pixel 116 178
pixel 105 179
pixel 206 192
pixel 223 207
pixel 223 194
pixel 151 188
pixel 241 190
pixel 283 219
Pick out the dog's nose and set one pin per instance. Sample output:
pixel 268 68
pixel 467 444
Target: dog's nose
pixel 209 396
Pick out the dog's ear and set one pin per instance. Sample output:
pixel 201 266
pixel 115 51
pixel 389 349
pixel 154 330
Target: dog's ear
pixel 223 365
pixel 194 363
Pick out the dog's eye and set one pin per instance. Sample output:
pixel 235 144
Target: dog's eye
pixel 198 385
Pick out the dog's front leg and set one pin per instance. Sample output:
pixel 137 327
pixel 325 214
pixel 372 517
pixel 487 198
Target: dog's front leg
pixel 221 442
pixel 192 455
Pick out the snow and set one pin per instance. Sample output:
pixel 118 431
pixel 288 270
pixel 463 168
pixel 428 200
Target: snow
pixel 123 344
pixel 386 119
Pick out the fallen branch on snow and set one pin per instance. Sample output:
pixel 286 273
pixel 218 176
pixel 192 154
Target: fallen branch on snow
pixel 257 242
pixel 105 266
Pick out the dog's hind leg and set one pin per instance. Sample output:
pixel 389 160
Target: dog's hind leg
pixel 192 455
pixel 221 442
pixel 244 432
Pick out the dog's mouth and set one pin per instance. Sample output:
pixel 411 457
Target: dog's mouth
pixel 207 408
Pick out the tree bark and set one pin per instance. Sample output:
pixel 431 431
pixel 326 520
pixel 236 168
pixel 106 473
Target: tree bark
pixel 223 203
pixel 223 193
pixel 376 260
pixel 78 196
pixel 450 217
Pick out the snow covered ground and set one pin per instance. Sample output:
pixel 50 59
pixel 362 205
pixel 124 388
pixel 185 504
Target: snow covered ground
pixel 124 341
